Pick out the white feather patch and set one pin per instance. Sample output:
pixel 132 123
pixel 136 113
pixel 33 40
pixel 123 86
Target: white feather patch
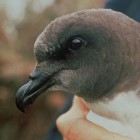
pixel 120 115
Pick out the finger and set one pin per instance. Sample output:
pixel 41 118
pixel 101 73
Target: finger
pixel 79 107
pixel 80 129
pixel 78 110
pixel 73 125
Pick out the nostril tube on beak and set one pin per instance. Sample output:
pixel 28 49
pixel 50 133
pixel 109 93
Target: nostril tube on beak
pixel 32 75
pixel 35 74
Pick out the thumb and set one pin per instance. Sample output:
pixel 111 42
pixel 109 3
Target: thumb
pixel 78 111
pixel 73 125
pixel 79 108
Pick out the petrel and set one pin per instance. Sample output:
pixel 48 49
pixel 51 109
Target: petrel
pixel 94 54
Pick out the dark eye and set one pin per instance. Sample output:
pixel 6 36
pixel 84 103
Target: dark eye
pixel 77 43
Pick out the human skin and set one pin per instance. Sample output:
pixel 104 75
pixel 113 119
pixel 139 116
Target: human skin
pixel 73 125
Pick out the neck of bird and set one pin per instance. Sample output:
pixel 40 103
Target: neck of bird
pixel 124 107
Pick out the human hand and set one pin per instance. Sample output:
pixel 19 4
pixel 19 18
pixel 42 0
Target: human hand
pixel 73 125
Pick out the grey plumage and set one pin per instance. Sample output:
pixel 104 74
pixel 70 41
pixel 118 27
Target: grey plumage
pixel 92 53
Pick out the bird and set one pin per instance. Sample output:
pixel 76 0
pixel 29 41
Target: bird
pixel 94 54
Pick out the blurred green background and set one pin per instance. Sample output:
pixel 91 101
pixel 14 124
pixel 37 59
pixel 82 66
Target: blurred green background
pixel 21 21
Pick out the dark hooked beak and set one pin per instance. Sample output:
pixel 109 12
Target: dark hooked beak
pixel 39 83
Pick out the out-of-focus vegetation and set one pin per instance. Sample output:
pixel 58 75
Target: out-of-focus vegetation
pixel 17 61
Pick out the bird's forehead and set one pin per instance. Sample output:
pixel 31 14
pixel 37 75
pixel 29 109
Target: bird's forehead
pixel 65 24
pixel 72 23
pixel 95 19
pixel 61 29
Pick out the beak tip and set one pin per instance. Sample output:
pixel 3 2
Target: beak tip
pixel 27 94
pixel 24 103
pixel 20 106
pixel 22 110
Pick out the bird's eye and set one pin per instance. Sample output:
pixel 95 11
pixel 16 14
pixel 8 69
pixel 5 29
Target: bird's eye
pixel 77 43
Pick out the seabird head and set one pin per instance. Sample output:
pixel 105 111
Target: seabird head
pixel 91 53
